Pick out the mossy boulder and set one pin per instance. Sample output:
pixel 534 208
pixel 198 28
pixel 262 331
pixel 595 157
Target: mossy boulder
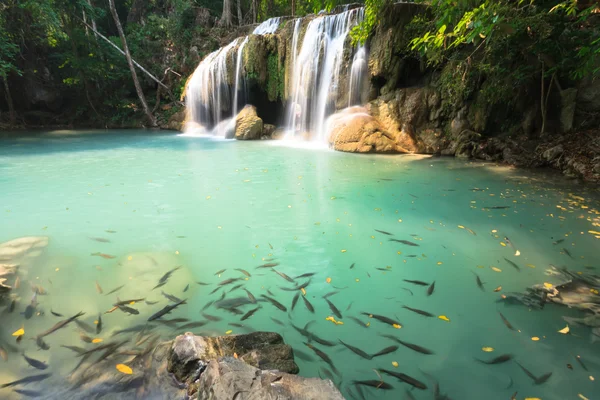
pixel 248 125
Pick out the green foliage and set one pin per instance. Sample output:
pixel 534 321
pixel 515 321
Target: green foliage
pixel 373 10
pixel 275 78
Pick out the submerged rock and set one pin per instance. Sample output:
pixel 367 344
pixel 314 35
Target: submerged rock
pixel 15 249
pixel 248 126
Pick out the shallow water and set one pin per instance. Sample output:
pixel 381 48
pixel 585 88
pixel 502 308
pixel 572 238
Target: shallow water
pixel 164 200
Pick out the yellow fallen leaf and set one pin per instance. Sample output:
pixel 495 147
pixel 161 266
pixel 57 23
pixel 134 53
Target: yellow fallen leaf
pixel 357 280
pixel 496 269
pixel 592 378
pixel 461 227
pixel 564 330
pixel 487 349
pixel 535 338
pixel 439 263
pixel 548 285
pixel 582 397
pixel 343 251
pixel 97 340
pixel 397 326
pixel 124 369
pixel 228 332
pixel 303 291
pixel 328 280
pixel 532 398
pixel 444 318
pixel 502 244
pixel 20 332
pixel 499 288
pixel 395 364
pixel 368 324
pixel 517 253
pixel 530 265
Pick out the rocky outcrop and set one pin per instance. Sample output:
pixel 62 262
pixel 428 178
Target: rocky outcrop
pixel 248 126
pixel 16 253
pixel 177 121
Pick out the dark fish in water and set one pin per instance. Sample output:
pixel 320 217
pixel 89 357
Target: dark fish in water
pixel 60 325
pixel 103 255
pixel 166 310
pixel 412 346
pixel 536 380
pixel 420 312
pixel 384 232
pixel 235 287
pixel 115 290
pixel 237 325
pixel 135 328
pixel 320 340
pixel 508 324
pixel 302 355
pixel 98 288
pixel 26 380
pixel 85 338
pixel 207 305
pixel 567 252
pixel 352 266
pixel 323 356
pixel 405 378
pixel 172 298
pixel 330 294
pixel 12 305
pixel 78 350
pixel 308 305
pixel 406 242
pixel 268 265
pixel 128 310
pixel 220 272
pixel 130 302
pixel 284 276
pixel 295 300
pixel 578 358
pixel 211 317
pixel 41 344
pixel 186 288
pixel 356 350
pixel 306 275
pixel 29 393
pixel 55 313
pixel 192 325
pixel 275 302
pixel 249 313
pixel 251 296
pixel 558 241
pixel 349 305
pixel 420 283
pixel 479 283
pixel 85 326
pixel 375 384
pixel 35 363
pixel 431 289
pixel 358 321
pixel 498 360
pixel 243 271
pixel 202 283
pixel 228 281
pixel 408 290
pixel 328 374
pixel 151 303
pixel 496 208
pixel 30 309
pixel 515 266
pixel 382 318
pixel 334 309
pixel 99 324
pixel 215 289
pixel 278 322
pixel 99 239
pixel 110 231
pixel 385 351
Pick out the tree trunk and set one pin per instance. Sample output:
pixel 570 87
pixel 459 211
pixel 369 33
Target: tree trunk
pixel 254 10
pixel 226 16
pixel 293 8
pixel 93 20
pixel 136 11
pixel 11 107
pixel 138 88
pixel 239 12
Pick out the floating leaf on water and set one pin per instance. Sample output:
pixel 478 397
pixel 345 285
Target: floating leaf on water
pixel 530 265
pixel 124 369
pixel 582 397
pixel 228 332
pixel 535 338
pixel 368 324
pixel 328 280
pixel 517 253
pixel 502 244
pixel 343 250
pixel 564 330
pixel 592 378
pixel 444 318
pixel 395 364
pixel 439 263
pixel 19 332
pixel 357 280
pixel 496 269
pixel 97 340
pixel 487 349
pixel 461 227
pixel 129 258
pixel 532 398
pixel 499 288
pixel 397 326
pixel 303 291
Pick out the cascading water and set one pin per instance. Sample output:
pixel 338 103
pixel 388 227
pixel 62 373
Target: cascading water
pixel 267 27
pixel 317 72
pixel 357 72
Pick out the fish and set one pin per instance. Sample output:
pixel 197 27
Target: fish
pixel 358 321
pixel 186 288
pixel 215 289
pixel 27 380
pixel 352 266
pixel 249 313
pixel 479 283
pixel 17 283
pixel 420 312
pixel 295 300
pixel 387 350
pixel 131 302
pixel 29 393
pixel 334 309
pixel 135 328
pixel 406 242
pixel 268 265
pixel 166 310
pixel 558 241
pixel 408 290
pixel 284 276
pixel 320 340
pixel 302 355
pixel 41 344
pixel 508 324
pixel 512 263
pixel 420 283
pixel 275 302
pixel 56 314
pixel 192 325
pixel 85 338
pixel 251 296
pixel 412 346
pixel 86 327
pixel 243 271
pixel 235 287
pixel 201 283
pixel 115 290
pixel 211 317
pixel 496 208
pixel 308 305
pixel 228 281
pixel 128 310
pixel 497 360
pixel 99 324
pixel 278 322
pixel 35 363
pixel 567 252
pixel 322 355
pixel 356 350
pixel 170 297
pixel 306 275
pixel 405 378
pixel 103 255
pixel 78 350
pixel 349 305
pixel 110 231
pixel 60 325
pixel 536 380
pixel 578 358
pixel 220 272
pixel 98 288
pixel 374 383
pixel 12 305
pixel 99 239
pixel 382 318
pixel 330 294
pixel 384 232
pixel 430 289
pixel 3 353
pixel 30 309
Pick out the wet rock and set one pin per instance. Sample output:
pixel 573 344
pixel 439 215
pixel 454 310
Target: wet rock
pixel 278 134
pixel 268 130
pixel 248 126
pixel 568 103
pixel 177 121
pixel 466 144
pixel 553 153
pixel 22 247
pixel 354 130
pixel 229 378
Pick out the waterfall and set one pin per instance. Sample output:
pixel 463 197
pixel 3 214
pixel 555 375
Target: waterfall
pixel 357 72
pixel 295 36
pixel 238 76
pixel 317 72
pixel 267 27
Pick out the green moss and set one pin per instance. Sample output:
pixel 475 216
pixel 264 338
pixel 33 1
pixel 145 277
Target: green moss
pixel 275 78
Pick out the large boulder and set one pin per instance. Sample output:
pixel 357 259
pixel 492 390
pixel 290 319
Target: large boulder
pixel 248 126
pixel 353 130
pixel 177 121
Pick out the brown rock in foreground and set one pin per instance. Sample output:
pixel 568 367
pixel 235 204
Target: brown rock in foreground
pixel 248 126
